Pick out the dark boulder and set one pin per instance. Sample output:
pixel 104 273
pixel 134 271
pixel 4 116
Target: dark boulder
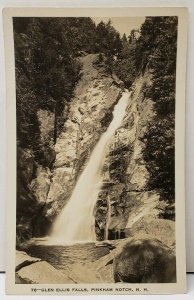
pixel 144 260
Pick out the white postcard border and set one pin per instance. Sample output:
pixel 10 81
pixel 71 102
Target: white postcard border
pixel 180 286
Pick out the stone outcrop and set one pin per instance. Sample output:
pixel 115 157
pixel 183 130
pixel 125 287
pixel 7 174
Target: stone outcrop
pixel 33 270
pixel 84 274
pixel 164 230
pixel 99 271
pixel 23 260
pixel 41 184
pixel 144 260
pixel 42 273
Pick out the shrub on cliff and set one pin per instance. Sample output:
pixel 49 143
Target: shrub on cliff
pixel 124 66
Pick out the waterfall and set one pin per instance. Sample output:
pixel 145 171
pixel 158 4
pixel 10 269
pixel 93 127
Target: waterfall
pixel 76 221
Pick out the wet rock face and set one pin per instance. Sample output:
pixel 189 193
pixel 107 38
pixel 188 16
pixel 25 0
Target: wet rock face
pixel 124 197
pixel 90 113
pixel 144 260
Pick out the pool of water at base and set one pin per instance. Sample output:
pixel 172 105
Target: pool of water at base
pixel 64 256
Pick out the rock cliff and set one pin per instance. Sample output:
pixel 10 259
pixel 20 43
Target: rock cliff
pixel 125 198
pixel 89 115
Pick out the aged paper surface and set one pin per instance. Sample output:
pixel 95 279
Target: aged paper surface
pixel 95 114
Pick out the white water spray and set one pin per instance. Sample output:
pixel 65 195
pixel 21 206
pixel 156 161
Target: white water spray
pixel 76 221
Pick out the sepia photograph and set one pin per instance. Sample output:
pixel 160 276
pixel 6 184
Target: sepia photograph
pixel 95 150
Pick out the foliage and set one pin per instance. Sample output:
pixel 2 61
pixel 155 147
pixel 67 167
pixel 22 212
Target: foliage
pixel 159 155
pixel 158 43
pixel 45 75
pixel 107 40
pixel 124 65
pixel 153 47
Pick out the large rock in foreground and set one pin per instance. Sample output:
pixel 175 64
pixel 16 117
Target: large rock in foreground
pixel 23 260
pixel 163 229
pixel 144 260
pixel 84 274
pixel 31 269
pixel 41 272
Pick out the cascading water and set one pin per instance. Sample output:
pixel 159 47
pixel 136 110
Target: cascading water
pixel 76 221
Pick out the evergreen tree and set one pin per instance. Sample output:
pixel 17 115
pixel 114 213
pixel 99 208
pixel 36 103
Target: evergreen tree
pixel 159 41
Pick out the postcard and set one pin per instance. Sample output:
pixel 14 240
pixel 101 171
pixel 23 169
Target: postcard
pixel 95 150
